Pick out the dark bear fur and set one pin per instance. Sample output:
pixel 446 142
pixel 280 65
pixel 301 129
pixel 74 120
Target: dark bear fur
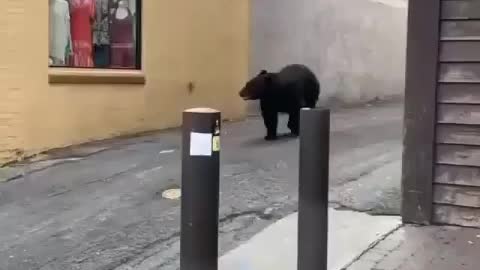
pixel 287 91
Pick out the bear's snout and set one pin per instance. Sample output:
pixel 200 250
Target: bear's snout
pixel 243 94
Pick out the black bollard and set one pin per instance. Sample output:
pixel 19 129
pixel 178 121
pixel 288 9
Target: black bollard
pixel 200 189
pixel 313 189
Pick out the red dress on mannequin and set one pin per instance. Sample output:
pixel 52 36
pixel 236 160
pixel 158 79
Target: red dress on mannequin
pixel 82 14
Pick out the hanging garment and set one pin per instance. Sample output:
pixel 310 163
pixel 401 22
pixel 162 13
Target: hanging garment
pixel 59 31
pixel 101 27
pixel 132 5
pixel 82 15
pixel 122 42
pixel 101 35
pixel 133 9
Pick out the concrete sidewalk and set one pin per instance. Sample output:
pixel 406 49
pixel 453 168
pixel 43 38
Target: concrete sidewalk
pixel 362 242
pixel 358 240
pixel 350 234
pixel 424 248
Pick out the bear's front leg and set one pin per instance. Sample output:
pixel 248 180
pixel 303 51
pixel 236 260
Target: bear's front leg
pixel 270 120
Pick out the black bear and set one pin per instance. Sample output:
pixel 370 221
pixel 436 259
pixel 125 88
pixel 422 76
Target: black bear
pixel 287 91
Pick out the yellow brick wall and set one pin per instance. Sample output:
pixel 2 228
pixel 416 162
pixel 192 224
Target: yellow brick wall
pixel 12 79
pixel 204 42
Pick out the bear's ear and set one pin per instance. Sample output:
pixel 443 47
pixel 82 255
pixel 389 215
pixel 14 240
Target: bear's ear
pixel 263 72
pixel 269 78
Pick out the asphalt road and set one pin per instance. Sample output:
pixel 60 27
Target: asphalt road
pixel 105 210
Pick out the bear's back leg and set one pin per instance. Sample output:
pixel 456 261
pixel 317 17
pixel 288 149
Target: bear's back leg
pixel 311 93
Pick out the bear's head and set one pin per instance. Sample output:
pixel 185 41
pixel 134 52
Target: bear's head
pixel 256 87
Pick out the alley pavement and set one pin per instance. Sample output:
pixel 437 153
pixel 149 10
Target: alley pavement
pixel 101 205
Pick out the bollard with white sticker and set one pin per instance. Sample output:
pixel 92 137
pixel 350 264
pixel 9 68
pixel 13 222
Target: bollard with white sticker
pixel 200 189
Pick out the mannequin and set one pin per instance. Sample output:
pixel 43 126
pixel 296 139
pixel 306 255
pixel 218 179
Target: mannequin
pixel 122 10
pixel 82 14
pixel 59 34
pixel 122 43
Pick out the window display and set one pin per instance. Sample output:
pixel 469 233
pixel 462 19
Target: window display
pixel 94 33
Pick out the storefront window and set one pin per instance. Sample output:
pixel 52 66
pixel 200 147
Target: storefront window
pixel 95 34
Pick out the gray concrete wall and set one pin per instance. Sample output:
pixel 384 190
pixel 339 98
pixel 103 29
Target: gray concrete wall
pixel 356 47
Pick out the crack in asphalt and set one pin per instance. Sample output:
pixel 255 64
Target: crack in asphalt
pixel 348 180
pixel 259 213
pixel 114 175
pixel 372 211
pixel 128 259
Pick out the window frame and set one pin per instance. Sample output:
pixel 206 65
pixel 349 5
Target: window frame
pixel 93 75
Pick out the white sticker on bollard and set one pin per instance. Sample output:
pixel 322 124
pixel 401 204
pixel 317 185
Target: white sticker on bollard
pixel 200 144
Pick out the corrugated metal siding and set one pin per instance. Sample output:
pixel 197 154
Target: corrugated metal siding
pixel 456 190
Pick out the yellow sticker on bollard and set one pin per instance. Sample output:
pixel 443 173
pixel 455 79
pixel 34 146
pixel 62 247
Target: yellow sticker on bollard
pixel 216 143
